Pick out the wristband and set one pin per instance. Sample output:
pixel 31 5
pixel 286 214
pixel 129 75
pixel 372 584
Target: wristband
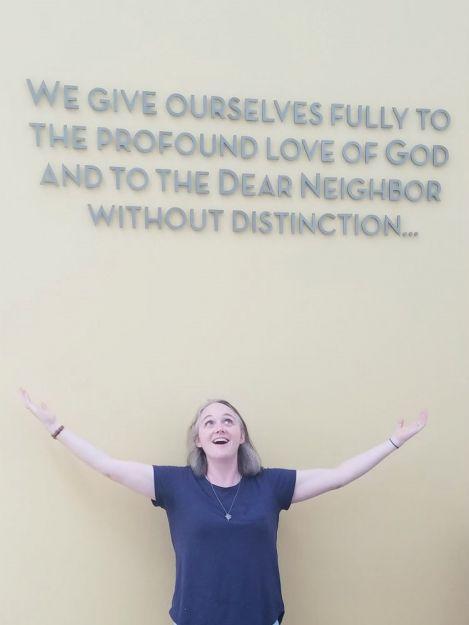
pixel 57 431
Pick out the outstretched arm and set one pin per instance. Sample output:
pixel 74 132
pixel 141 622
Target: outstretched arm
pixel 134 475
pixel 313 482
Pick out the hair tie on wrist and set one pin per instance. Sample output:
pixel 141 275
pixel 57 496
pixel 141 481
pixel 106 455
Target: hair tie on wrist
pixel 396 446
pixel 57 431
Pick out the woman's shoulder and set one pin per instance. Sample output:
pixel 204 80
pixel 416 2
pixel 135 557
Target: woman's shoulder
pixel 171 476
pixel 281 482
pixel 172 470
pixel 274 471
pixel 176 468
pixel 274 474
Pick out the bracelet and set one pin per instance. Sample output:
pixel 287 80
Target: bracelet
pixel 396 446
pixel 57 431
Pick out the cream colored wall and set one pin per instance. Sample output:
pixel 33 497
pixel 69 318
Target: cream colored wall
pixel 322 342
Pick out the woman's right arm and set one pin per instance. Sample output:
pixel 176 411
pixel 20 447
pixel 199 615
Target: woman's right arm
pixel 135 475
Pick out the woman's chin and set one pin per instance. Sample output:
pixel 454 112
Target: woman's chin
pixel 221 452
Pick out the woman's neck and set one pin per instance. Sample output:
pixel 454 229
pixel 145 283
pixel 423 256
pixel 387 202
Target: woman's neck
pixel 223 474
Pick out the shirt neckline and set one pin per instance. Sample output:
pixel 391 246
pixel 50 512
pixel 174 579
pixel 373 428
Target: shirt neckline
pixel 223 487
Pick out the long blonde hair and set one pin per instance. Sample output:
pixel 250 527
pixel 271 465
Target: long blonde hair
pixel 249 462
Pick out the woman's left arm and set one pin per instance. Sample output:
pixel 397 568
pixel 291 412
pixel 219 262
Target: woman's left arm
pixel 313 482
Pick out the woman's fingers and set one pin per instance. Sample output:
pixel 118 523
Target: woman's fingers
pixel 404 432
pixel 421 421
pixel 24 396
pixel 27 401
pixel 39 410
pixel 418 423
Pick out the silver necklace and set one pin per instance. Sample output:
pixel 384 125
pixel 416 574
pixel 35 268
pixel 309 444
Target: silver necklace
pixel 227 512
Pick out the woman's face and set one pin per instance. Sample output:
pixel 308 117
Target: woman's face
pixel 218 422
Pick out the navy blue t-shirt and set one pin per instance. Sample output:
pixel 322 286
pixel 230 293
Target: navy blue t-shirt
pixel 226 571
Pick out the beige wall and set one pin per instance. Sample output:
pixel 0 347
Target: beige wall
pixel 322 342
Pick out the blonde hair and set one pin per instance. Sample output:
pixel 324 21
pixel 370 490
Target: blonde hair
pixel 249 462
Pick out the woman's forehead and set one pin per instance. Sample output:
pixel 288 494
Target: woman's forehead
pixel 216 409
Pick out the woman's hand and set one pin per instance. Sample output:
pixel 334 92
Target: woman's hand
pixel 42 412
pixel 403 432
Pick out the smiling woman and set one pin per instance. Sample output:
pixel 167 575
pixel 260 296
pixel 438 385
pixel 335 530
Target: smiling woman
pixel 223 510
pixel 225 507
pixel 215 417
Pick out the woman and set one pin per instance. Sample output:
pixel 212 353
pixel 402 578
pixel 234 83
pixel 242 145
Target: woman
pixel 223 510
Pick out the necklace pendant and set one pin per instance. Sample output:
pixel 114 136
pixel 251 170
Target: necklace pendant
pixel 227 516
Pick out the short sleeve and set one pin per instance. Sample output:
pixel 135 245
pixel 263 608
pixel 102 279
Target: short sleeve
pixel 283 485
pixel 167 481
